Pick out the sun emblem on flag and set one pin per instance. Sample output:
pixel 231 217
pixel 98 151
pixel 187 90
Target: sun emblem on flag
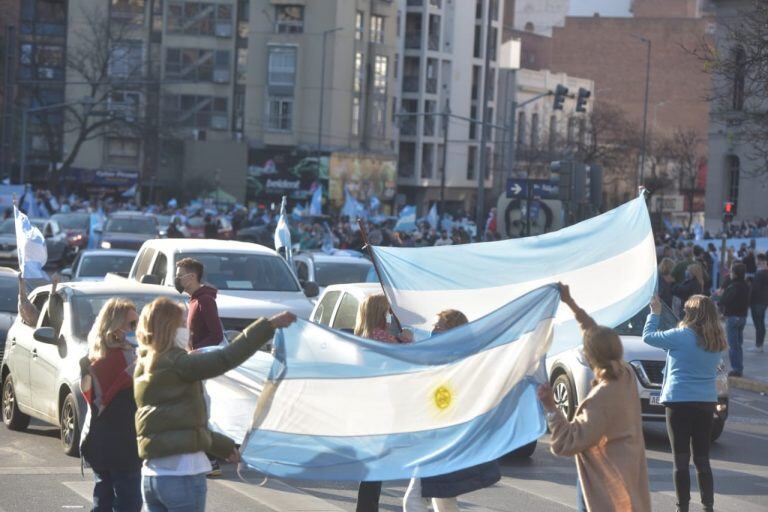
pixel 443 397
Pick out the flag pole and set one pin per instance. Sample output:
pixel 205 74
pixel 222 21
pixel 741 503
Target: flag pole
pixel 369 249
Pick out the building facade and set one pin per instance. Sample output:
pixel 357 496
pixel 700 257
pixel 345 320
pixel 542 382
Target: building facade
pixel 735 175
pixel 443 70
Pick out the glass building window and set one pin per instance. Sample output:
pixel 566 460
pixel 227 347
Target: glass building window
pixel 289 19
pixel 380 75
pixel 282 65
pixel 280 113
pixel 377 29
pixel 359 25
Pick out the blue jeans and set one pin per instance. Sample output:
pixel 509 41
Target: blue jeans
pixel 117 490
pixel 734 331
pixel 758 318
pixel 174 493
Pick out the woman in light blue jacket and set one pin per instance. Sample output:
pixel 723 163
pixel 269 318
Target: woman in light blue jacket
pixel 689 393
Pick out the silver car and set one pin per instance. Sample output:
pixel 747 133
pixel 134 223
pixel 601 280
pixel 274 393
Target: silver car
pixel 40 368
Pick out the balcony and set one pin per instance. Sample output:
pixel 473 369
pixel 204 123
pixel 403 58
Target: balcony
pixel 411 83
pixel 413 41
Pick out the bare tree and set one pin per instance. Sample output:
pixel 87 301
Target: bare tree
pixel 683 150
pixel 738 63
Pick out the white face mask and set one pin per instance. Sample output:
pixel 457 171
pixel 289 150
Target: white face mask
pixel 182 338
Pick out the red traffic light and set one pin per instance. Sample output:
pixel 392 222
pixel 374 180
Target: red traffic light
pixel 728 208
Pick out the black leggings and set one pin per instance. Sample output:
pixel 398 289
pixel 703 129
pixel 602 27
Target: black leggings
pixel 368 497
pixel 690 426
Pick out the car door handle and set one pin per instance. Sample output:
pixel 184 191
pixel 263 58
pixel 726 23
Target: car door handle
pixel 13 342
pixel 34 353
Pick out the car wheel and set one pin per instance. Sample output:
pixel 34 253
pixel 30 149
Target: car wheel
pixel 70 426
pixel 524 451
pixel 565 396
pixel 717 429
pixel 13 418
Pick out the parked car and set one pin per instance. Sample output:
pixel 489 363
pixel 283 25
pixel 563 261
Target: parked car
pixel 263 234
pixel 9 300
pixel 40 369
pixel 8 255
pixel 571 376
pixel 77 226
pixel 195 226
pixel 328 269
pixel 251 280
pixel 128 230
pixel 163 221
pixel 94 264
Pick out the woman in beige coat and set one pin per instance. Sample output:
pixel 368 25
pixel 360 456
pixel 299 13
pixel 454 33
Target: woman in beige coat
pixel 605 435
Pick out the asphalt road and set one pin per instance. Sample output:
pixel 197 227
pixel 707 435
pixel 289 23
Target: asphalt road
pixel 36 476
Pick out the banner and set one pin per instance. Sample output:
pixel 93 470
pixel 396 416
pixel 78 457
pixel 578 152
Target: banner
pixel 370 179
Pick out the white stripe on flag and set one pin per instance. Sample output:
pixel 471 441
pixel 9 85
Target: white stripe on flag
pixel 430 399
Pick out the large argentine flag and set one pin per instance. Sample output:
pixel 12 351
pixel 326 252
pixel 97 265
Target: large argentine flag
pixel 609 262
pixel 338 407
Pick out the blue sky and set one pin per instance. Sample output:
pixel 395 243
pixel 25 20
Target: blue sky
pixel 604 7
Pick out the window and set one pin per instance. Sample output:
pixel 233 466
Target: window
pixel 200 65
pixel 43 17
pixel 473 123
pixel 478 46
pixel 359 25
pixel 494 40
pixel 324 310
pixel 733 167
pixel 144 260
pixel 282 66
pixel 379 116
pixel 377 29
pixel 552 132
pixel 125 59
pixel 289 19
pixel 346 314
pixel 356 115
pixel 739 58
pixel 280 113
pixel 535 130
pixel 192 111
pixel 476 70
pixel 122 151
pixel 41 61
pixel 380 75
pixel 471 162
pixel 357 86
pixel 127 9
pixel 242 64
pixel 125 103
pixel 521 129
pixel 427 160
pixel 199 18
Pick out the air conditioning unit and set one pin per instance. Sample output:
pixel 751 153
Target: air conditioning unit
pixel 219 122
pixel 223 30
pixel 221 76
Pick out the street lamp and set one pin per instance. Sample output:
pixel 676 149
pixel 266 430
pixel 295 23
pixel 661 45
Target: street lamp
pixel 322 93
pixel 87 103
pixel 646 41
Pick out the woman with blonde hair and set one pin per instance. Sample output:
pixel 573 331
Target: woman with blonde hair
pixel 605 434
pixel 108 441
pixel 172 419
pixel 689 393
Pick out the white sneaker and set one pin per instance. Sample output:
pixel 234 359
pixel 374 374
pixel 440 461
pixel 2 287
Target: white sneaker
pixel 758 350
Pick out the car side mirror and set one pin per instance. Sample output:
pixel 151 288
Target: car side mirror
pixel 46 335
pixel 66 272
pixel 149 279
pixel 311 289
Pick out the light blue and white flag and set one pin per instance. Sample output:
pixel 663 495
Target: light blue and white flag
pixel 316 204
pixel 338 407
pixel 283 235
pixel 432 217
pixel 407 220
pixel 30 245
pixel 609 262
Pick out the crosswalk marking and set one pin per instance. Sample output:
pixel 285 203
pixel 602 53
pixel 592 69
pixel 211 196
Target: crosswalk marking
pixel 82 488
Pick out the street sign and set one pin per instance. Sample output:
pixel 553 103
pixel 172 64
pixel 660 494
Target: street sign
pixel 540 189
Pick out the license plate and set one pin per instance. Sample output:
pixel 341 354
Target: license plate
pixel 655 400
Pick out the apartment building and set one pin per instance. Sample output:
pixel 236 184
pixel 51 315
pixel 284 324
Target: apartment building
pixel 442 64
pixel 319 98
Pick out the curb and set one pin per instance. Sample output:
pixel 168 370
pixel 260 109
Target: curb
pixel 757 386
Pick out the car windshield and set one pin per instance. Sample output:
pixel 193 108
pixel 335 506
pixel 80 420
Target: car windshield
pixel 73 220
pixel 258 272
pixel 8 227
pixel 330 273
pixel 144 226
pixel 634 326
pixel 99 266
pixel 196 222
pixel 9 292
pixel 86 307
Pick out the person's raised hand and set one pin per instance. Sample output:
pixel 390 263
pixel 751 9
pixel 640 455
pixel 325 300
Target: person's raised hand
pixel 655 305
pixel 565 293
pixel 282 320
pixel 547 399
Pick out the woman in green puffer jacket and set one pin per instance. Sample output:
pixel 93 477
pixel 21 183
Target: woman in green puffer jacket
pixel 171 417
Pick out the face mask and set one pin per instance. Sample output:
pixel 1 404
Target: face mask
pixel 181 339
pixel 130 337
pixel 178 285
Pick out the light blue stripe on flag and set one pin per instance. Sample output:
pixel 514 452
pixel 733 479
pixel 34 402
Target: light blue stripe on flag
pixel 31 248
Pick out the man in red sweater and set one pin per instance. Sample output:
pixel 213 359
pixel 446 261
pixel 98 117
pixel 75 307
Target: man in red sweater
pixel 203 321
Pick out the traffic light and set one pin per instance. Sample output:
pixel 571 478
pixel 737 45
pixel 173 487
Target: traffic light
pixel 729 210
pixel 562 176
pixel 581 99
pixel 561 92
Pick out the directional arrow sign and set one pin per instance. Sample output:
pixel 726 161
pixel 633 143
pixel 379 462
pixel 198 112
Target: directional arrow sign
pixel 517 188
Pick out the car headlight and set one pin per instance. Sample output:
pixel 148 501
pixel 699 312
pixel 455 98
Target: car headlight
pixel 641 375
pixel 106 245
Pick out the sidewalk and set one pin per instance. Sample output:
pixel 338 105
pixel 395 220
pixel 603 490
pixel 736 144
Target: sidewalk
pixel 755 365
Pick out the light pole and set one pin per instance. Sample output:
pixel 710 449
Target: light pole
pixel 322 93
pixel 480 213
pixel 86 102
pixel 645 105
